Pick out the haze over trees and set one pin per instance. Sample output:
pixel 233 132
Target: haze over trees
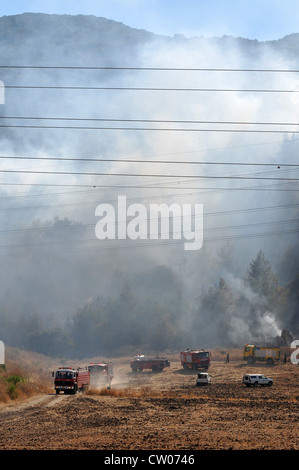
pixel 159 316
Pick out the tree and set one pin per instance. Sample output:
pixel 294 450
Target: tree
pixel 262 280
pixel 50 342
pixel 214 312
pixel 289 310
pixel 88 324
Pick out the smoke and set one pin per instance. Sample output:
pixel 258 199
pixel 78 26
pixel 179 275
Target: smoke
pixel 53 261
pixel 265 330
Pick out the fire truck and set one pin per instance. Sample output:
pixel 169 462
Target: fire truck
pixel 195 359
pixel 142 362
pixel 101 373
pixel 253 353
pixel 70 380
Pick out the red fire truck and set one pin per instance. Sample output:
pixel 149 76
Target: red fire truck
pixel 101 373
pixel 142 362
pixel 195 359
pixel 70 380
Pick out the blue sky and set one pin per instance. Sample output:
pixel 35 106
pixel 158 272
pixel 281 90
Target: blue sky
pixel 253 19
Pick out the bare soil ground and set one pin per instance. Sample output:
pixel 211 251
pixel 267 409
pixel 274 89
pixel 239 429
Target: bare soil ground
pixel 162 411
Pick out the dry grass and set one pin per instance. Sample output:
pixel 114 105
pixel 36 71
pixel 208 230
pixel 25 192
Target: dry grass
pixel 33 376
pixel 142 392
pixel 26 374
pixel 120 393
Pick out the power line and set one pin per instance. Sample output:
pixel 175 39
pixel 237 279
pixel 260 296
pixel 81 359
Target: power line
pixel 171 69
pixel 122 186
pixel 172 121
pixel 201 90
pixel 130 160
pixel 162 129
pixel 206 214
pixel 207 239
pixel 93 187
pixel 81 226
pixel 158 175
pixel 156 243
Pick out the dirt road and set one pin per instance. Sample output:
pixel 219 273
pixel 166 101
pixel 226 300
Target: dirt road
pixel 163 411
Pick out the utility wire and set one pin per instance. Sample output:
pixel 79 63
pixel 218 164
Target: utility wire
pixel 206 214
pixel 158 175
pixel 110 244
pixel 92 188
pixel 221 228
pixel 204 90
pixel 171 121
pixel 130 160
pixel 263 131
pixel 171 69
pixel 80 226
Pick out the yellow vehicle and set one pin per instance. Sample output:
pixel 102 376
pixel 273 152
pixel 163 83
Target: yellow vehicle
pixel 252 354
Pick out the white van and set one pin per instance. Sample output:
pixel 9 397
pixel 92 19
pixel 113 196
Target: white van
pixel 256 380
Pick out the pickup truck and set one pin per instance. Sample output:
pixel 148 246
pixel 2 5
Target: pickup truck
pixel 257 379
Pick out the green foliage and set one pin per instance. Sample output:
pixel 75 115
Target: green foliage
pixel 215 308
pixel 15 379
pixel 12 383
pixel 128 319
pixel 50 342
pixel 261 278
pixel 288 310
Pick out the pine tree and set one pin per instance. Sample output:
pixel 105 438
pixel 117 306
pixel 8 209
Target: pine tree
pixel 261 278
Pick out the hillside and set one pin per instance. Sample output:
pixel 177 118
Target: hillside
pixel 95 109
pixel 80 40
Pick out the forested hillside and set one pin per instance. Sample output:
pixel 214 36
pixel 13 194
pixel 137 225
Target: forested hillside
pixel 93 110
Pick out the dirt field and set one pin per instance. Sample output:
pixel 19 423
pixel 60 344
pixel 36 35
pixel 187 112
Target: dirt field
pixel 162 411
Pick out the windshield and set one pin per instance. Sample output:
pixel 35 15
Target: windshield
pixel 96 368
pixel 203 354
pixel 64 374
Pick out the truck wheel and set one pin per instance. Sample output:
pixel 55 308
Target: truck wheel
pixel 57 392
pixel 270 384
pixel 270 361
pixel 255 384
pixel 155 368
